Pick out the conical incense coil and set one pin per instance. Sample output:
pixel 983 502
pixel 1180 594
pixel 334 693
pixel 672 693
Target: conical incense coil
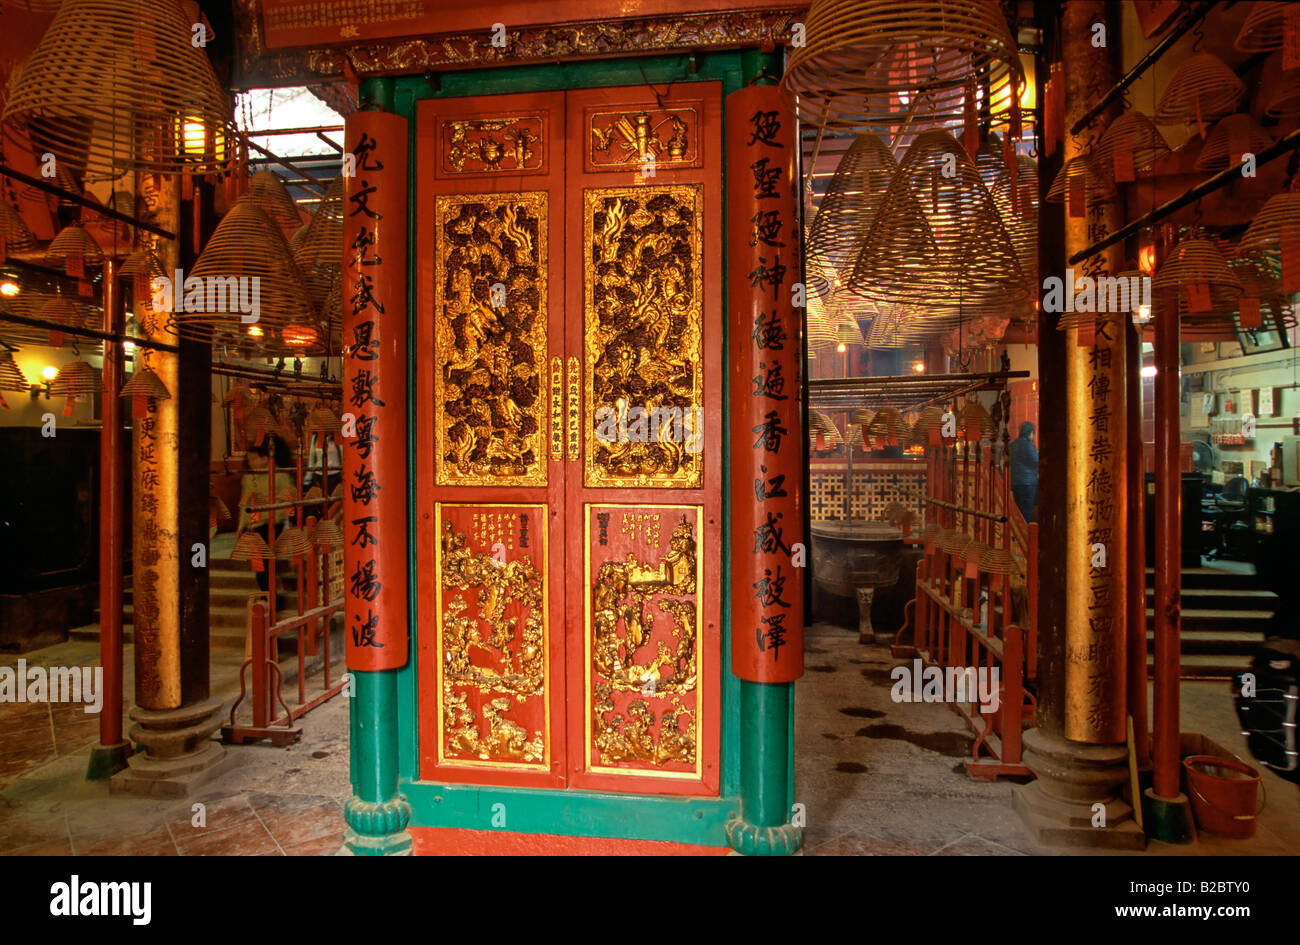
pixel 17 237
pixel 328 533
pixel 1229 140
pixel 145 383
pixel 71 245
pixel 887 428
pixel 250 546
pixel 1084 170
pixel 266 189
pixel 119 85
pixel 1197 274
pixel 894 62
pixel 862 419
pixel 1201 91
pixel 1130 145
pixel 11 376
pixel 822 432
pixel 292 543
pixel 75 378
pixel 845 212
pixel 1262 30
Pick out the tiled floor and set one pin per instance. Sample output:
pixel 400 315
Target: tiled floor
pixel 275 801
pixel 875 778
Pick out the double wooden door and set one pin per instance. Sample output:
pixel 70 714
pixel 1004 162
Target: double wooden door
pixel 569 468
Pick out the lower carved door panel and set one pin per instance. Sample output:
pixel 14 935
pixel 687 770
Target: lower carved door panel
pixel 569 381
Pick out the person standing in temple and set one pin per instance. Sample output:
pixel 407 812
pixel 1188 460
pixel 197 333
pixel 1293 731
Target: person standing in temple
pixel 1024 471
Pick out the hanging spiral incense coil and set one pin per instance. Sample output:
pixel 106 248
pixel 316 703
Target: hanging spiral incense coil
pixel 1262 30
pixel 142 267
pixel 938 240
pixel 845 212
pixel 930 421
pixel 327 532
pixel 266 189
pixel 975 423
pixel 292 543
pixel 1275 227
pixel 888 428
pixel 117 86
pixel 1201 91
pixel 996 561
pixel 250 546
pixel 822 432
pixel 246 246
pixel 1131 133
pixel 1016 202
pixel 71 243
pixel 1082 167
pixel 861 419
pixel 892 62
pixel 1197 262
pixel 11 376
pixel 74 379
pixel 145 383
pixel 1229 140
pixel 17 237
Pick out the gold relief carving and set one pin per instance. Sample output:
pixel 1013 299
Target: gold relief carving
pixel 557 409
pixel 643 622
pixel 607 38
pixel 490 339
pixel 669 135
pixel 643 334
pixel 492 145
pixel 492 640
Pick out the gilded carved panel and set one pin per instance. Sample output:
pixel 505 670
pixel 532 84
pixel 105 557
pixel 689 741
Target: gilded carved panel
pixel 643 337
pixel 643 657
pixel 511 145
pixel 490 339
pixel 629 138
pixel 492 649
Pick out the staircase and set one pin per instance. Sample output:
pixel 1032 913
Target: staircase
pixel 230 583
pixel 1224 616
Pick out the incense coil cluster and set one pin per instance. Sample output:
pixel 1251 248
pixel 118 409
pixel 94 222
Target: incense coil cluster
pixel 845 213
pixel 894 62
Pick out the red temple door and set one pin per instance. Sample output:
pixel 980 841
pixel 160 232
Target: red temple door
pixel 569 396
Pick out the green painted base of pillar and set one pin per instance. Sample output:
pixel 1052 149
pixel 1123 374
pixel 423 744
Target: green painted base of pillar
pixel 751 840
pixel 107 760
pixel 1167 819
pixel 391 844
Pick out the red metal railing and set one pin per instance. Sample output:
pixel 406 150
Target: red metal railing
pixel 974 609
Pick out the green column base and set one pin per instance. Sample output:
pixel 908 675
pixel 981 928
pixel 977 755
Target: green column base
pixel 107 760
pixel 1167 819
pixel 752 840
pixel 377 829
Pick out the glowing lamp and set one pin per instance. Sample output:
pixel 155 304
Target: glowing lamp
pixel 49 372
pixel 841 347
pixel 300 336
pixel 918 367
pixel 9 288
pixel 1149 371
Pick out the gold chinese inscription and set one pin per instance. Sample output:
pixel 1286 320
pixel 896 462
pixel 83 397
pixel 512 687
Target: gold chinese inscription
pixel 490 339
pixel 643 653
pixel 492 635
pixel 666 136
pixel 492 145
pixel 643 335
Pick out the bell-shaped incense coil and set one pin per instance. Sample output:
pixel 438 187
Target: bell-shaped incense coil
pixel 75 378
pixel 954 542
pixel 145 383
pixel 860 419
pixel 1016 199
pixel 1201 91
pixel 328 533
pixel 71 243
pixel 973 552
pixel 928 429
pixel 938 239
pixel 1283 87
pixel 888 428
pixel 1083 170
pixel 292 543
pixel 1198 277
pixel 250 546
pixel 17 237
pixel 258 423
pixel 1130 145
pixel 323 420
pixel 898 62
pixel 142 267
pixel 11 376
pixel 845 212
pixel 266 189
pixel 318 255
pixel 822 432
pixel 313 494
pixel 975 423
pixel 1275 229
pixel 996 561
pixel 121 86
pixel 1262 305
pixel 247 264
pixel 295 241
pixel 287 494
pixel 1229 140
pixel 1262 29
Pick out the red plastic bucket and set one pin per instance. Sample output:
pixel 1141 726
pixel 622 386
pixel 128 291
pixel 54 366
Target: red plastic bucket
pixel 1224 793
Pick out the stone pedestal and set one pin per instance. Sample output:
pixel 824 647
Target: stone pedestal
pixel 1059 807
pixel 178 752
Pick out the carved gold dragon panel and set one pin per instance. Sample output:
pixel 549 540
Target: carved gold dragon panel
pixel 492 651
pixel 490 339
pixel 643 656
pixel 643 336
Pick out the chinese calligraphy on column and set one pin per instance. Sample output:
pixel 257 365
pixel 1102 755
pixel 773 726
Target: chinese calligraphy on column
pixel 765 377
pixel 374 392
